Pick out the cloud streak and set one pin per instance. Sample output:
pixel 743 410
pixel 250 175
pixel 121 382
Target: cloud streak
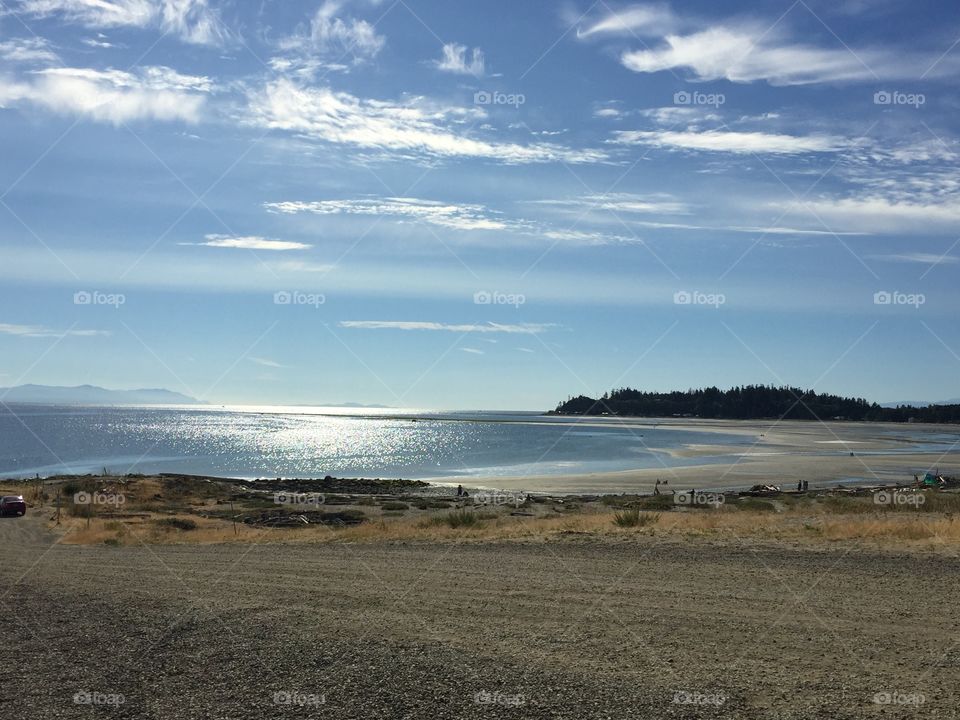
pixel 490 327
pixel 406 131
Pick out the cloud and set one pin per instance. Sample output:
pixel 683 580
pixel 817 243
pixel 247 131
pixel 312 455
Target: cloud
pixel 447 215
pixel 472 351
pixel 154 93
pixel 459 217
pixel 265 362
pixel 454 60
pixel 621 203
pixel 631 21
pixel 733 142
pixel 336 37
pixel 491 327
pixel 27 50
pixel 193 21
pixel 917 258
pixel 301 266
pixel 751 49
pixel 883 215
pixel 409 130
pixel 38 331
pixel 250 242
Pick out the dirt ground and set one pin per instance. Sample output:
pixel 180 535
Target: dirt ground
pixel 577 628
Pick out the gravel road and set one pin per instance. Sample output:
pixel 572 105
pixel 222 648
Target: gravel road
pixel 574 629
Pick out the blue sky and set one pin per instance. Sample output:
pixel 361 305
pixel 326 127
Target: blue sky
pixel 479 205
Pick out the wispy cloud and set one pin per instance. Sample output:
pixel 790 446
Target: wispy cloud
pixel 917 258
pixel 490 327
pixel 630 21
pixel 454 60
pixel 883 215
pixel 265 362
pixel 39 331
pixel 27 50
pixel 412 130
pixel 193 21
pixel 465 217
pixel 472 351
pixel 459 217
pixel 115 96
pixel 250 242
pixel 733 142
pixel 621 203
pixel 749 50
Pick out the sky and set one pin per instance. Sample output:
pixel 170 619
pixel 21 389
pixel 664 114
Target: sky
pixel 489 205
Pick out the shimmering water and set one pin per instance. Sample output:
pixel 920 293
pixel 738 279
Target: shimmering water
pixel 277 442
pixel 252 442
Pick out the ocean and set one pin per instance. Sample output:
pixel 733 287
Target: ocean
pixel 250 442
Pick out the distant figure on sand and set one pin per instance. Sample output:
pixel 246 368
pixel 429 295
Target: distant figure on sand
pixel 799 485
pixel 459 490
pixel 656 488
pixel 806 485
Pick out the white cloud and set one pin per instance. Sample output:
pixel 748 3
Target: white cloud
pixel 301 266
pixel 631 21
pixel 621 202
pixel 459 217
pixel 335 37
pixel 157 93
pixel 193 21
pixel 251 242
pixel 454 60
pixel 27 50
pixel 39 331
pixel 607 112
pixel 883 215
pixel 448 215
pixel 409 130
pixel 472 351
pixel 733 142
pixel 917 258
pixel 491 327
pixel 265 362
pixel 751 52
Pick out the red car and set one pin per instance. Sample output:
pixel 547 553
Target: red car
pixel 13 505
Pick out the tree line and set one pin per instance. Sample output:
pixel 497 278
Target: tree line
pixel 751 402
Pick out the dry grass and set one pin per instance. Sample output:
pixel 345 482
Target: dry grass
pixel 153 511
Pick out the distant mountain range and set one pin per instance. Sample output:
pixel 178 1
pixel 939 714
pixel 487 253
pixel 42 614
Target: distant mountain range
pixel 93 395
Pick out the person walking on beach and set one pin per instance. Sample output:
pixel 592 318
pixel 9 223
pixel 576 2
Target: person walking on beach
pixel 459 490
pixel 799 485
pixel 656 488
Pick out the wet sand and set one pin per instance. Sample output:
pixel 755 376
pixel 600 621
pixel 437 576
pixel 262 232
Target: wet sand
pixel 780 454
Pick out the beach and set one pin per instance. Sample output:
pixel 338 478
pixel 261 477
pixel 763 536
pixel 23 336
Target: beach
pixel 641 627
pixel 778 453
